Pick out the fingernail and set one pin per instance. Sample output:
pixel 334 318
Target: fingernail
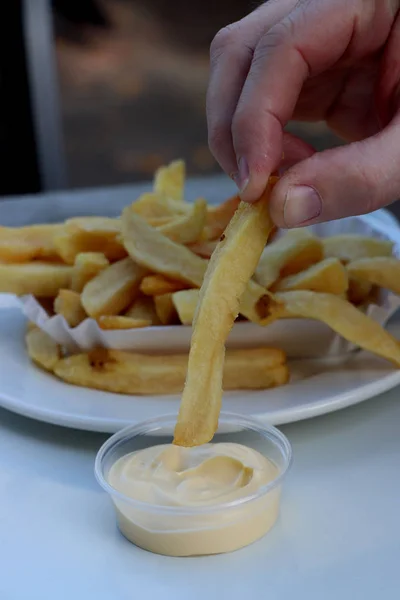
pixel 241 178
pixel 302 204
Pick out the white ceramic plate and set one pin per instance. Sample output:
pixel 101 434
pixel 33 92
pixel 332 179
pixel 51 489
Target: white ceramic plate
pixel 317 387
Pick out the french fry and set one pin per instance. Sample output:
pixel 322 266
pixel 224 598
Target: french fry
pixel 341 316
pixel 113 322
pixel 42 349
pixel 381 271
pixel 24 244
pixel 30 326
pixel 68 304
pixel 143 308
pixel 36 278
pixel 185 303
pixel 156 285
pixel 113 289
pixel 90 234
pixel 359 291
pixel 187 228
pixel 349 247
pixel 87 265
pixel 328 276
pixel 149 248
pixel 230 269
pixel 203 249
pixel 293 252
pixel 152 206
pixel 218 218
pixel 169 181
pixel 165 309
pixel 128 373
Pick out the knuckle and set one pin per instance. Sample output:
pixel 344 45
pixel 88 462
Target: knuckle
pixel 277 36
pixel 224 39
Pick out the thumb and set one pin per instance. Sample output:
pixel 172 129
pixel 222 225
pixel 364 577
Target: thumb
pixel 350 180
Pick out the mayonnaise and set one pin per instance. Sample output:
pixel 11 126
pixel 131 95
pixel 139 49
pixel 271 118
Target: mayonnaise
pixel 195 482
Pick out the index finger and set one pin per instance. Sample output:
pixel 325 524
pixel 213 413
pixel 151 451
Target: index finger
pixel 309 40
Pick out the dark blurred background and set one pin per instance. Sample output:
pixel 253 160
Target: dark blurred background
pixel 101 92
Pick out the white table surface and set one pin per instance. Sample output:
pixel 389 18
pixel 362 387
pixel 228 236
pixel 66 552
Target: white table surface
pixel 338 535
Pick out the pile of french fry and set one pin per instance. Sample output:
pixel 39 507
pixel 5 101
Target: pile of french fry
pixel 146 268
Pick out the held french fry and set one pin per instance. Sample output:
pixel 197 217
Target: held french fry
pixel 37 278
pixel 42 349
pixel 328 276
pixel 381 271
pixel 128 373
pixel 185 302
pixel 113 289
pixel 218 218
pixel 341 316
pixel 151 249
pixel 169 181
pixel 68 304
pixel 230 268
pixel 349 247
pixel 295 251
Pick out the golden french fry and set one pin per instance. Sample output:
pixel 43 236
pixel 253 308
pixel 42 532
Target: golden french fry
pixel 251 301
pixel 359 291
pixel 36 278
pixel 68 304
pixel 381 271
pixel 250 307
pixel 165 309
pixel 203 249
pixel 87 265
pixel 341 316
pixel 169 181
pixel 328 276
pixel 128 373
pixel 90 234
pixel 156 285
pixel 121 322
pixel 293 252
pixel 149 248
pixel 143 308
pixel 152 206
pixel 42 349
pixel 187 228
pixel 218 218
pixel 24 244
pixel 113 289
pixel 185 303
pixel 349 247
pixel 30 326
pixel 230 269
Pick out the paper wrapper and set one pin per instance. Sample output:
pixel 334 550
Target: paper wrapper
pixel 297 337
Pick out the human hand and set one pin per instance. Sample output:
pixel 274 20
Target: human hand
pixel 311 60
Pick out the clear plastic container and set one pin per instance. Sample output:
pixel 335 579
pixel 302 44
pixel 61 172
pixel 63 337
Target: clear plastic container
pixel 177 531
